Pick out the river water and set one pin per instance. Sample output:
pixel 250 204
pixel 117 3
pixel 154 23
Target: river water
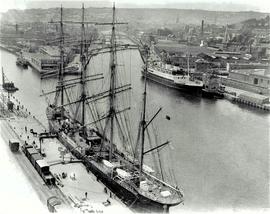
pixel 220 150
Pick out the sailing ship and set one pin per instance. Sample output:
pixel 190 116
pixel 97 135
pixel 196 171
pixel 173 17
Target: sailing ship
pixel 104 144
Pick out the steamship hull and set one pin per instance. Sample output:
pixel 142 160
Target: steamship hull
pixel 171 84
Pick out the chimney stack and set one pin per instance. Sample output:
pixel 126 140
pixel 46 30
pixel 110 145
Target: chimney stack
pixel 202 30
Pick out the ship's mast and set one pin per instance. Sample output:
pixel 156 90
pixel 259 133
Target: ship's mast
pixel 143 122
pixel 188 58
pixel 83 59
pixel 112 83
pixel 188 64
pixel 84 62
pixel 83 69
pixel 3 77
pixel 60 86
pixel 61 76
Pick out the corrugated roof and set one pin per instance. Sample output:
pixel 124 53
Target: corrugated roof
pixel 42 163
pixel 184 49
pixel 14 140
pixel 32 150
pixel 258 72
pixel 51 50
pixel 262 72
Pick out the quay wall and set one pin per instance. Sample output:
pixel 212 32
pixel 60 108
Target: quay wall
pixel 252 104
pixel 10 50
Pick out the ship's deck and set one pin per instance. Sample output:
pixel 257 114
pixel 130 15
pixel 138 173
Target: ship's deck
pixel 154 187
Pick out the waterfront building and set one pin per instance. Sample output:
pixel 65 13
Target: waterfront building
pixel 53 52
pixel 237 66
pixel 47 58
pixel 43 62
pixel 252 80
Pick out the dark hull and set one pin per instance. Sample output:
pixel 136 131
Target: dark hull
pixel 24 65
pixel 130 197
pixel 10 90
pixel 212 94
pixel 171 84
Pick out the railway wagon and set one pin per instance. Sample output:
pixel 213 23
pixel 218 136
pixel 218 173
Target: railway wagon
pixel 44 170
pixel 39 164
pixel 34 158
pixel 29 152
pixel 14 145
pixel 26 146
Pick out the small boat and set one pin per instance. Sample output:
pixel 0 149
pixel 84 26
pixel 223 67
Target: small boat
pixel 212 86
pixel 7 85
pixel 21 61
pixel 73 68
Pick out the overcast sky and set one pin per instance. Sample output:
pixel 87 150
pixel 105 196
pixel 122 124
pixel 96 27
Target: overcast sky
pixel 233 5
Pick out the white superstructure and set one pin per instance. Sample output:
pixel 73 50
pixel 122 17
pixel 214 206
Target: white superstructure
pixel 173 74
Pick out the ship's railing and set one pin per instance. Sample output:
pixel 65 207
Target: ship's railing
pixel 166 184
pixel 128 185
pixel 155 193
pixel 163 70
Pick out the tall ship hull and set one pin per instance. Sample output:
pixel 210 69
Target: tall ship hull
pixel 130 196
